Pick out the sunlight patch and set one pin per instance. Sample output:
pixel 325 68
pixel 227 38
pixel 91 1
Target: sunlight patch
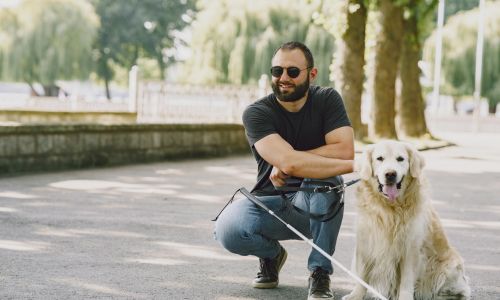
pixel 484 268
pixel 232 279
pixel 22 246
pixel 159 261
pixel 16 195
pixel 82 232
pixel 96 287
pixel 7 209
pixel 89 185
pixel 201 252
pixel 170 172
pixel 202 198
pixel 451 223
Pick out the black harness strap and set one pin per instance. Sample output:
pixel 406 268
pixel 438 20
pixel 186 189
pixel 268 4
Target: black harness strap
pixel 332 211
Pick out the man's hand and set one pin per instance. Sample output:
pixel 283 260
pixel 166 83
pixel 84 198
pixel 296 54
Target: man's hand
pixel 278 177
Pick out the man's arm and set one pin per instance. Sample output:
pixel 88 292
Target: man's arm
pixel 277 152
pixel 339 144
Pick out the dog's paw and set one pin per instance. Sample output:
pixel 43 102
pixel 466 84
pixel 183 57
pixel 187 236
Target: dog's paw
pixel 403 295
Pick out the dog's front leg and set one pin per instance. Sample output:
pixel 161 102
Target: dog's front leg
pixel 361 270
pixel 408 265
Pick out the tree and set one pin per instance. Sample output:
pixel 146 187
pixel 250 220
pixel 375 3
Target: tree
pixel 138 28
pixel 348 69
pixel 383 77
pixel 49 40
pixel 234 40
pixel 410 104
pixel 459 54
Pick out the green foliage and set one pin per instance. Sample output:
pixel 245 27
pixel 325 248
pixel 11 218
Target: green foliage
pixel 459 53
pixel 138 28
pixel 454 6
pixel 48 40
pixel 234 40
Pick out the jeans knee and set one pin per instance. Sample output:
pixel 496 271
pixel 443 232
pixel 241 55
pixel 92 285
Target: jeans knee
pixel 233 236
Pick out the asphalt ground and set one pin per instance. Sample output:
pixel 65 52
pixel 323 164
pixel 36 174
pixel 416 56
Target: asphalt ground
pixel 144 231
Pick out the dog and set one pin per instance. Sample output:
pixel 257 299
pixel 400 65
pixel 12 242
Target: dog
pixel 401 247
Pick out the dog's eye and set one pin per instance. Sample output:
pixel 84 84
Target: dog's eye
pixel 400 158
pixel 380 158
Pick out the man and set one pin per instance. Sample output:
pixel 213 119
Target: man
pixel 297 132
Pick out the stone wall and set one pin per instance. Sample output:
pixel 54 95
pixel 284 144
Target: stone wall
pixel 66 117
pixel 55 147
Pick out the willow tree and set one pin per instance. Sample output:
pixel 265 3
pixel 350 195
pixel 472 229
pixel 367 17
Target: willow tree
pixel 233 40
pixel 50 40
pixel 383 78
pixel 410 104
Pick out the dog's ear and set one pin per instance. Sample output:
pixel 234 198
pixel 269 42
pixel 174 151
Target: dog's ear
pixel 417 162
pixel 364 164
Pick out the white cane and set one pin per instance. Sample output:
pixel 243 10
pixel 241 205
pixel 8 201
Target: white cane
pixel 256 201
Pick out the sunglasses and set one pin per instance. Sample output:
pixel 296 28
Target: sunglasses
pixel 293 72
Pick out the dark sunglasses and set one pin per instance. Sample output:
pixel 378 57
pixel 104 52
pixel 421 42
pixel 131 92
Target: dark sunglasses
pixel 293 72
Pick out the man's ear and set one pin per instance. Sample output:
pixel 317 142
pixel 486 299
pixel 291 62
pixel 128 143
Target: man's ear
pixel 313 73
pixel 417 162
pixel 364 164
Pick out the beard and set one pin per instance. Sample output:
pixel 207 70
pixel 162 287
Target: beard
pixel 295 95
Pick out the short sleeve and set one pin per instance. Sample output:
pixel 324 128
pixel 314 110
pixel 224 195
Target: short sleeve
pixel 258 123
pixel 335 113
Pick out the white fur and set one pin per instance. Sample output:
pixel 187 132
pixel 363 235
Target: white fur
pixel 401 248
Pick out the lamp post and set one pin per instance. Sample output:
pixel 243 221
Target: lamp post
pixel 437 58
pixel 479 65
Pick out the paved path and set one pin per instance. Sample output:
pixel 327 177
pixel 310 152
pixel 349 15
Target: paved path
pixel 144 231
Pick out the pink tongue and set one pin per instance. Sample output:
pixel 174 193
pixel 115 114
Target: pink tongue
pixel 391 191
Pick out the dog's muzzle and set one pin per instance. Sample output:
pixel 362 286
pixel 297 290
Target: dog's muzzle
pixel 390 190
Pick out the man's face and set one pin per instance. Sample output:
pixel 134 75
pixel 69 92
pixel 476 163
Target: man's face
pixel 285 87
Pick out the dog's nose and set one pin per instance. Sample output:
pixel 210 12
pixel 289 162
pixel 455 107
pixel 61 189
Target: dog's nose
pixel 390 176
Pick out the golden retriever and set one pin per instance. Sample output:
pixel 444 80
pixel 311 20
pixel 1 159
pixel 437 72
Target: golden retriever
pixel 401 247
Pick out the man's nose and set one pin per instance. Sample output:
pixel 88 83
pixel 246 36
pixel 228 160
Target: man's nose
pixel 284 76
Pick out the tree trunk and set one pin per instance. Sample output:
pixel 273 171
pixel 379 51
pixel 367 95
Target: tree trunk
pixel 410 103
pixel 33 92
pixel 51 90
pixel 106 85
pixel 350 60
pixel 387 53
pixel 162 66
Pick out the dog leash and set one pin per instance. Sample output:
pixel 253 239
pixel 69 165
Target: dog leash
pixel 257 202
pixel 320 189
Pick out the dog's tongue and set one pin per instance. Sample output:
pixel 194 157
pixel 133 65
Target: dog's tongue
pixel 391 191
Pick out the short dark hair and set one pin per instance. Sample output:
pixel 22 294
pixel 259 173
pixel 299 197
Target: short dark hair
pixel 298 45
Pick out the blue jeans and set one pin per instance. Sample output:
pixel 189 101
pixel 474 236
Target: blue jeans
pixel 245 229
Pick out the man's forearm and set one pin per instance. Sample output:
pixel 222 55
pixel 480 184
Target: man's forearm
pixel 308 165
pixel 337 150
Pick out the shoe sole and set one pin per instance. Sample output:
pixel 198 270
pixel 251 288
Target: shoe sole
pixel 315 298
pixel 271 285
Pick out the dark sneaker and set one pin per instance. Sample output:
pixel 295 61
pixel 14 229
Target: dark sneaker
pixel 267 278
pixel 319 285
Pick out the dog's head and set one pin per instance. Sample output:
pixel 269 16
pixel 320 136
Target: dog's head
pixel 387 163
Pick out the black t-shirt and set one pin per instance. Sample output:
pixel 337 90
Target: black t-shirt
pixel 323 112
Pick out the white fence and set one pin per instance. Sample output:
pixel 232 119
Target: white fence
pixel 160 102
